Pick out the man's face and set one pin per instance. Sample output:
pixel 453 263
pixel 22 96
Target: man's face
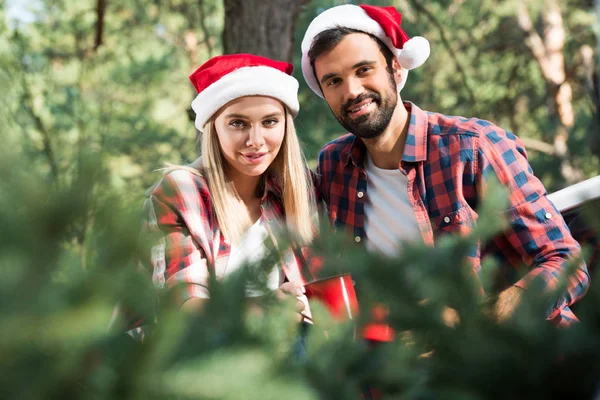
pixel 357 85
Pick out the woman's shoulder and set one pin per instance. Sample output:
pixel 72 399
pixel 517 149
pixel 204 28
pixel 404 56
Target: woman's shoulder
pixel 180 198
pixel 180 181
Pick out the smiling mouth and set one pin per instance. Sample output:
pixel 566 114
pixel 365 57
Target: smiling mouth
pixel 254 155
pixel 360 108
pixel 254 158
pixel 357 109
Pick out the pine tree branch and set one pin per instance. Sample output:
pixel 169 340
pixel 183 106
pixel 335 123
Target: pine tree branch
pixel 533 40
pixel 204 28
pixel 421 8
pixel 536 45
pixel 47 148
pixel 587 55
pixel 538 145
pixel 27 104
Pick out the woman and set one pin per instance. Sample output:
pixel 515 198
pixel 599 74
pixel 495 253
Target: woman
pixel 249 181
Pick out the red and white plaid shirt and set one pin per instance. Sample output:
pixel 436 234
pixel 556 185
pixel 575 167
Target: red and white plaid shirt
pixel 191 246
pixel 447 161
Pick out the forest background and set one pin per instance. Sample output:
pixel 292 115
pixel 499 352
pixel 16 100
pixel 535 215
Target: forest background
pixel 112 77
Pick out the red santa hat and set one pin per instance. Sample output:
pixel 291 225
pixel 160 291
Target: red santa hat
pixel 228 77
pixel 382 22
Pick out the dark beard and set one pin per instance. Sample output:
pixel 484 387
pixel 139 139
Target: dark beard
pixel 371 125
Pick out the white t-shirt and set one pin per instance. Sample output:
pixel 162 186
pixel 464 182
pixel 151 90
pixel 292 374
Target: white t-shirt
pixel 389 215
pixel 250 249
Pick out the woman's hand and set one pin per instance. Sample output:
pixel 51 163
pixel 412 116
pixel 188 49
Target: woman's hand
pixel 295 289
pixel 284 292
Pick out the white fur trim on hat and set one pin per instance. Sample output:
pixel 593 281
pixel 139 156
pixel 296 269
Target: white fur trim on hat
pixel 414 53
pixel 246 81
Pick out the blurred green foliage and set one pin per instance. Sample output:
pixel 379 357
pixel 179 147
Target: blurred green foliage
pixel 57 300
pixel 84 128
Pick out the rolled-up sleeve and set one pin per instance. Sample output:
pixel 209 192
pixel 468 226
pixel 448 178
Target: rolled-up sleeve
pixel 175 213
pixel 538 236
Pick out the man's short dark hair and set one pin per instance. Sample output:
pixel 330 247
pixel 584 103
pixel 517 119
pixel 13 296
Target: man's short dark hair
pixel 328 39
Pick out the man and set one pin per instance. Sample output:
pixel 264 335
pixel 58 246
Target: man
pixel 405 174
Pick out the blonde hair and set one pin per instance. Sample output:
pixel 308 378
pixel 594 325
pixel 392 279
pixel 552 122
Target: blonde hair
pixel 289 170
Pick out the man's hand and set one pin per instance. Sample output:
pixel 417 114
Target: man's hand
pixel 507 303
pixel 450 317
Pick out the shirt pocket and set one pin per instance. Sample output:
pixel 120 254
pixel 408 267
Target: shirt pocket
pixel 461 222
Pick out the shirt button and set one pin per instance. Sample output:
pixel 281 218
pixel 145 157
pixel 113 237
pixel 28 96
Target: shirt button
pixel 357 239
pixel 360 195
pixel 548 215
pixel 446 219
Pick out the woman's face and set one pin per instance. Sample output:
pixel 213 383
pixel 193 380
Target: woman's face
pixel 250 131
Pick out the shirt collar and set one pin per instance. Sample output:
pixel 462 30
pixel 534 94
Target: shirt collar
pixel 415 148
pixel 356 152
pixel 271 185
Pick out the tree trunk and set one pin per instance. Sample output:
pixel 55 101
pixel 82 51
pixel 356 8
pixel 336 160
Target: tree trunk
pixel 263 27
pixel 597 83
pixel 100 10
pixel 548 52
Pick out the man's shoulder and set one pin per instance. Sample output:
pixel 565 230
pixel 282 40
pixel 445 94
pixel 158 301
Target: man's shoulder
pixel 469 132
pixel 337 146
pixel 441 124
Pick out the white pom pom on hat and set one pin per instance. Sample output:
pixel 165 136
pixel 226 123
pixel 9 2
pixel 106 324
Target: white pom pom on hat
pixel 414 53
pixel 382 22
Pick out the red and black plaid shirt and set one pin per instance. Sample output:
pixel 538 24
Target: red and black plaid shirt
pixel 447 161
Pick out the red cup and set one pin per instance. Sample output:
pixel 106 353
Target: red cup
pixel 337 294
